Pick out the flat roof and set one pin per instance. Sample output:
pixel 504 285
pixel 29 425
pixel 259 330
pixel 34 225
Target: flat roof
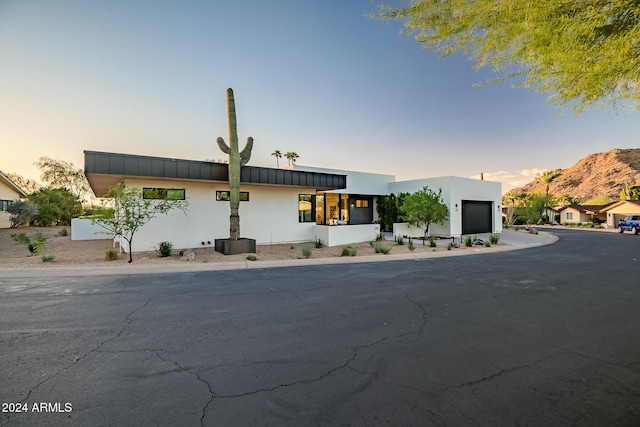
pixel 104 170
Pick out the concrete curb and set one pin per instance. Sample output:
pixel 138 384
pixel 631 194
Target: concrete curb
pixel 511 241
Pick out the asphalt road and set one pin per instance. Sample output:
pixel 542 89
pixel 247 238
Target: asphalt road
pixel 544 336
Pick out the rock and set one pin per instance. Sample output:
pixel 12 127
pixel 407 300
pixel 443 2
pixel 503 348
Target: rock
pixel 533 231
pixel 187 255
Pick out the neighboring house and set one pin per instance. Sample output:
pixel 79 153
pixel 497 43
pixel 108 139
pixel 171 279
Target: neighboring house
pixel 9 193
pixel 288 205
pixel 577 214
pixel 619 210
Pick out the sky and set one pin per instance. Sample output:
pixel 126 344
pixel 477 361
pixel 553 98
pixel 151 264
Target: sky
pixel 319 78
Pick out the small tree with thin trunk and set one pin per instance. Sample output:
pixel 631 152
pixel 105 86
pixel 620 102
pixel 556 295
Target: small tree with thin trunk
pixel 133 211
pixel 423 208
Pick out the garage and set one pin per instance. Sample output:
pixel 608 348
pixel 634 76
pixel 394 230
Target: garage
pixel 476 217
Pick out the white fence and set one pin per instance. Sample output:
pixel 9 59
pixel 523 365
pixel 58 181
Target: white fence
pixel 83 229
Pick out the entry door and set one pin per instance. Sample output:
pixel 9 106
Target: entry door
pixel 476 217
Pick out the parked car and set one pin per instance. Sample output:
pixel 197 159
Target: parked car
pixel 630 223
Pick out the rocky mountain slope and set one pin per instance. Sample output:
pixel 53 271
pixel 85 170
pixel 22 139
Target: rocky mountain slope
pixel 595 175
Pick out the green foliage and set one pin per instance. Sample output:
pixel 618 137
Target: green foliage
pixel 582 53
pixel 57 173
pixel 63 232
pixel 423 208
pixel 432 242
pixel 292 157
pixel 387 208
pixel 318 243
pixel 34 244
pixel 164 249
pixel 630 192
pixel 134 212
pixel 307 250
pixel 598 200
pixel 97 211
pixel 252 257
pixel 494 238
pixel 111 255
pixel 381 248
pixel 55 206
pixel 237 159
pixel 379 237
pixel 349 251
pixel 470 240
pixel 400 240
pixel 487 243
pixel 411 245
pixel 48 258
pixel 449 246
pixel 20 213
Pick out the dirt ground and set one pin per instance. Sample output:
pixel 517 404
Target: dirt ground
pixel 89 253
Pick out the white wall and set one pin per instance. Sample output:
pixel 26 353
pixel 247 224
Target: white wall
pixel 454 191
pixel 84 229
pixel 357 182
pixel 346 234
pixel 6 193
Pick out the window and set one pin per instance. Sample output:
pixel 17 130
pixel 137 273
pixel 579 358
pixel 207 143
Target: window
pixel 4 204
pixel 569 215
pixel 164 193
pixel 306 203
pixel 362 203
pixel 225 196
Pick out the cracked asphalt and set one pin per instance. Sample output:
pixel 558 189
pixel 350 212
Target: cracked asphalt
pixel 542 336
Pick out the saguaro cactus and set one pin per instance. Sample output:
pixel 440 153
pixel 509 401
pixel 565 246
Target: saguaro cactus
pixel 236 160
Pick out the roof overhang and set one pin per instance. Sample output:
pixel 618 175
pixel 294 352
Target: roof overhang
pixel 5 179
pixel 104 170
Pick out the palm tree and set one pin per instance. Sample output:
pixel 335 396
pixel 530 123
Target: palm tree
pixel 278 155
pixel 546 178
pixel 292 156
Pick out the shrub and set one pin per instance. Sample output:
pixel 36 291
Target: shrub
pixel 318 243
pixel 48 258
pixel 306 251
pixel 411 246
pixel 21 213
pixel 63 232
pixel 432 242
pixel 379 237
pixel 494 238
pixel 380 248
pixel 487 243
pixel 34 244
pixel 400 240
pixel 252 257
pixel 349 251
pixel 470 240
pixel 111 255
pixel 164 249
pixel 449 247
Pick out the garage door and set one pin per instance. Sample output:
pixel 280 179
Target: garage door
pixel 476 217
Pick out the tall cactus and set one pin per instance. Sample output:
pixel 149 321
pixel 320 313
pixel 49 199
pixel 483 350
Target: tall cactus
pixel 236 160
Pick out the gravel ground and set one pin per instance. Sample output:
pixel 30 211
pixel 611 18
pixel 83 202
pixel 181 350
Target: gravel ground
pixel 89 253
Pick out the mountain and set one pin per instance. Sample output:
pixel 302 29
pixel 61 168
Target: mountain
pixel 595 175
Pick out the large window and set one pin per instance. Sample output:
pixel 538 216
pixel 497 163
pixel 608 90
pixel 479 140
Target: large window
pixel 569 215
pixel 225 196
pixel 306 204
pixel 164 193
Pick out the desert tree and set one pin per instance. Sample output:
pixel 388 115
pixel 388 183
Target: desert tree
pixel 278 155
pixel 134 211
pixel 56 173
pixel 579 52
pixel 21 212
pixel 423 208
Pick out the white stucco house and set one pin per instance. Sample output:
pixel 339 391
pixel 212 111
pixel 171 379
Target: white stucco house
pixel 9 193
pixel 285 205
pixel 619 210
pixel 578 214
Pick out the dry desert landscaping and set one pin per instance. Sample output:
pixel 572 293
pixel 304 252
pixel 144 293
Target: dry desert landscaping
pixel 91 253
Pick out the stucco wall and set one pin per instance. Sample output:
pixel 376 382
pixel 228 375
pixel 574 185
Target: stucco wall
pixel 6 193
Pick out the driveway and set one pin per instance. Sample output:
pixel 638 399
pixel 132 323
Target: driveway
pixel 542 336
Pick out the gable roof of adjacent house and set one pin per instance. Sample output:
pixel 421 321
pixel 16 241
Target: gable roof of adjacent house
pixel 104 170
pixel 589 209
pixel 620 203
pixel 9 183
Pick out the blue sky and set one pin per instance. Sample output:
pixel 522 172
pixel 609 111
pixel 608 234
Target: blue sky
pixel 319 78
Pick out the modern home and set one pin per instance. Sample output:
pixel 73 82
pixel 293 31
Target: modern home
pixel 284 205
pixel 619 210
pixel 9 193
pixel 577 214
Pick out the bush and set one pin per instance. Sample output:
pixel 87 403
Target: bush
pixel 487 244
pixel 349 251
pixel 449 247
pixel 379 237
pixel 63 232
pixel 55 206
pixel 306 251
pixel 494 238
pixel 164 249
pixel 411 246
pixel 34 244
pixel 48 258
pixel 470 240
pixel 318 243
pixel 21 213
pixel 111 255
pixel 400 240
pixel 432 242
pixel 380 248
pixel 252 257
